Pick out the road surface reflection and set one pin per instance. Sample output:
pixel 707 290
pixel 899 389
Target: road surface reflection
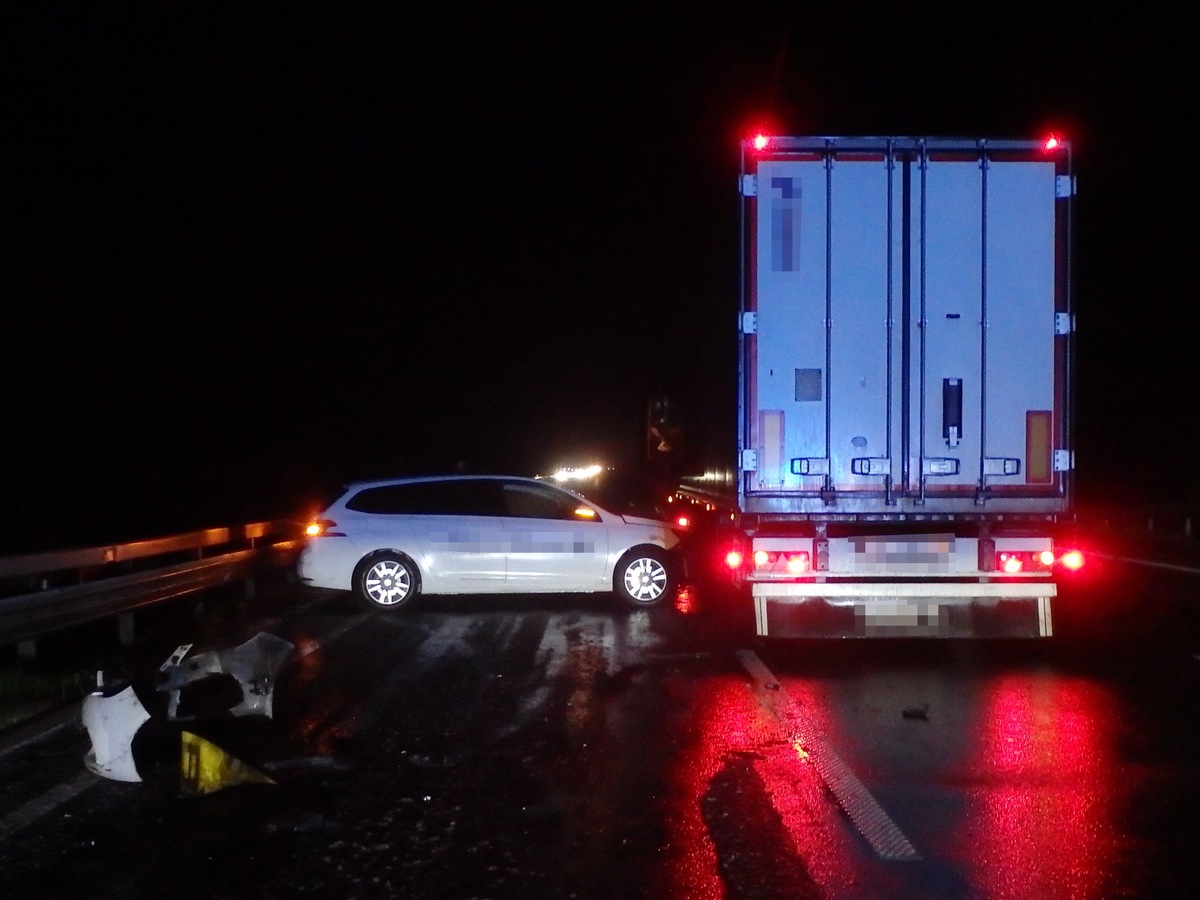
pixel 1040 814
pixel 1021 800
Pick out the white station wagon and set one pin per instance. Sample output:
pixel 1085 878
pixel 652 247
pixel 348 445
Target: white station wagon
pixel 389 541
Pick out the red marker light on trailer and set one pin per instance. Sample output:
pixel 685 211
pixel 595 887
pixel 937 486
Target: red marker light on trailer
pixel 1052 143
pixel 1072 559
pixel 760 141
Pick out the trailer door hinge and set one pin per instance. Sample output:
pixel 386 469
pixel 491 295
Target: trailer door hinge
pixel 749 185
pixel 749 461
pixel 749 323
pixel 1064 460
pixel 1064 186
pixel 1064 323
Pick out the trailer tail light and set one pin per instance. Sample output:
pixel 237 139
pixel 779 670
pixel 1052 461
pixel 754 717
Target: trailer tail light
pixel 760 141
pixel 782 562
pixel 1014 562
pixel 733 559
pixel 1072 559
pixel 1051 144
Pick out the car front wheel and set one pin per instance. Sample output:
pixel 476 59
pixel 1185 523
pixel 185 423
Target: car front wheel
pixel 386 581
pixel 642 578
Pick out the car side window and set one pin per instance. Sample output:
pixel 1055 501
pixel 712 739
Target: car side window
pixel 532 501
pixel 388 500
pixel 430 498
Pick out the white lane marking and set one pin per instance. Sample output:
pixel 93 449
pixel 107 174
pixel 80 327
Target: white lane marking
pixel 47 802
pixel 1145 562
pixel 864 810
pixel 317 644
pixel 554 650
pixel 48 726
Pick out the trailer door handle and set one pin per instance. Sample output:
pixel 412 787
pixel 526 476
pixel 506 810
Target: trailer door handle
pixel 952 410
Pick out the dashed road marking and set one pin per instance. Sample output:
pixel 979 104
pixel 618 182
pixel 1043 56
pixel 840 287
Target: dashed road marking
pixel 884 836
pixel 47 802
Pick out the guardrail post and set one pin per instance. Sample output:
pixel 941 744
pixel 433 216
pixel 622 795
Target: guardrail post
pixel 125 631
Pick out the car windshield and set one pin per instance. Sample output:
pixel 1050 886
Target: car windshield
pixel 626 491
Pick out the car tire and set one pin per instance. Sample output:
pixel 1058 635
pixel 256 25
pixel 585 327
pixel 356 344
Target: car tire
pixel 387 581
pixel 642 577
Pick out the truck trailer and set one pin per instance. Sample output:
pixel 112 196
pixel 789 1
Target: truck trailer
pixel 904 460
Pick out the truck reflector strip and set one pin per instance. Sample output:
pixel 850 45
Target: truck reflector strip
pixel 1038 468
pixel 770 463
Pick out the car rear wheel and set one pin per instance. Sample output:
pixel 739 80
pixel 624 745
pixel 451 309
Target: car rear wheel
pixel 642 578
pixel 387 581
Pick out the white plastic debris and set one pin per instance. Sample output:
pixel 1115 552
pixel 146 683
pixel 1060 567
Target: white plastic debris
pixel 253 664
pixel 111 722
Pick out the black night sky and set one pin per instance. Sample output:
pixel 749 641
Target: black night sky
pixel 256 250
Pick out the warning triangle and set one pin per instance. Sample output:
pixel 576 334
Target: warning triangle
pixel 205 768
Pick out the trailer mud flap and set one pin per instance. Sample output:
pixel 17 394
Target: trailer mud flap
pixel 929 617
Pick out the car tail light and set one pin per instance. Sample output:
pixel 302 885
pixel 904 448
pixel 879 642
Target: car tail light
pixel 682 522
pixel 322 528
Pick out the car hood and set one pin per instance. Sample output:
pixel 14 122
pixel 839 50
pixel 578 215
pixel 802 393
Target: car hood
pixel 641 520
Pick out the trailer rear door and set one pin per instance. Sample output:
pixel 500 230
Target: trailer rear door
pixel 906 317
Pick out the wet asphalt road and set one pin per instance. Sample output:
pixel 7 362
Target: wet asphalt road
pixel 561 747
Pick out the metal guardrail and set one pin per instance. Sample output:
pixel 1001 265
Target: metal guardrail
pixel 45 592
pixel 1172 521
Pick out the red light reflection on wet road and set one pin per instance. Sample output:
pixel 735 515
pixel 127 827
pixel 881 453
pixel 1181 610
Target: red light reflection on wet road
pixel 748 809
pixel 1040 820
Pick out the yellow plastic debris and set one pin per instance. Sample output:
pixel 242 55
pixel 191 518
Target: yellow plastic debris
pixel 205 768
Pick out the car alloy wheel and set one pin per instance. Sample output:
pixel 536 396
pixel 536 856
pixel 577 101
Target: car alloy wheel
pixel 643 579
pixel 387 581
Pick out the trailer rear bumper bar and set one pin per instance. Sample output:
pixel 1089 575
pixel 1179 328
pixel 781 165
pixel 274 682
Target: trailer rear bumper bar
pixel 844 609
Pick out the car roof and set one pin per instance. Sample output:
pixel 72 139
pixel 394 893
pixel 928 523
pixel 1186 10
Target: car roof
pixel 414 479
